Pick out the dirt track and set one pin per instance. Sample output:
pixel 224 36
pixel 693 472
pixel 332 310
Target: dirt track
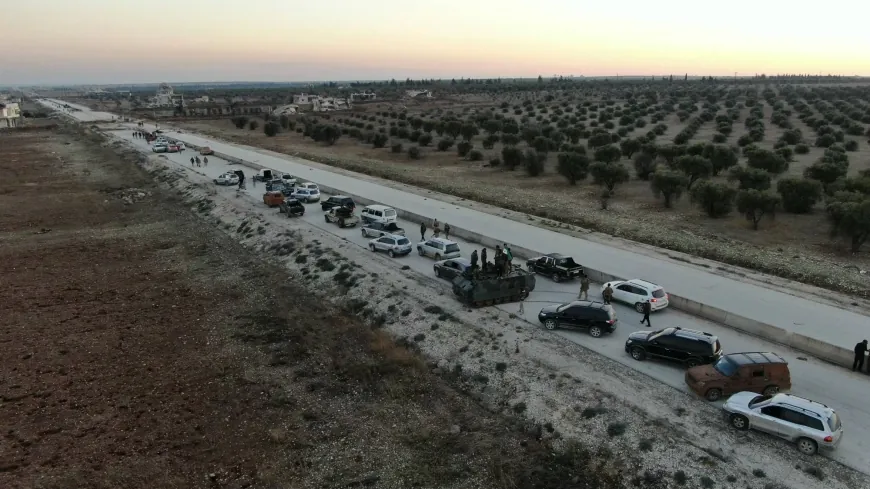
pixel 140 347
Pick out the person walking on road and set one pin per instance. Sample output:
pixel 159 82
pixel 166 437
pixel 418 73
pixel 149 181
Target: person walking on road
pixel 647 308
pixel 446 231
pixel 436 228
pixel 422 231
pixel 584 288
pixel 198 162
pixel 860 351
pixel 205 160
pixel 607 294
pixel 191 161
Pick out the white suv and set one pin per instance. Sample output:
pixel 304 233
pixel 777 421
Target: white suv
pixel 636 292
pixel 440 249
pixel 809 424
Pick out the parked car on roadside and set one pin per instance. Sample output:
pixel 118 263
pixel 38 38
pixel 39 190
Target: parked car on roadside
pixel 343 216
pixel 206 151
pixel 760 372
pixel 635 292
pixel 289 180
pixel 556 266
pixel 378 213
pixel 392 244
pixel 306 194
pixel 808 424
pixel 160 148
pixel 451 268
pixel 597 318
pixel 227 179
pixel 263 175
pixel 292 207
pixel 380 229
pixel 438 248
pixel 686 346
pixel 273 198
pixel 338 201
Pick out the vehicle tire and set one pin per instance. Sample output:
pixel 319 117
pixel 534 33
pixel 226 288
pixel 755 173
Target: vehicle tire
pixel 556 278
pixel 550 324
pixel 392 255
pixel 364 235
pixel 639 307
pixel 531 268
pixel 420 251
pixel 372 247
pixel 637 353
pixel 325 218
pixel 595 331
pixel 770 390
pixel 341 223
pixel 693 362
pixel 739 422
pixel 437 272
pixel 437 257
pixel 713 395
pixel 807 446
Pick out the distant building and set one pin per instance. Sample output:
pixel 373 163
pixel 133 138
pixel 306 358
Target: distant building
pixel 316 103
pixel 166 97
pixel 290 109
pixel 418 93
pixel 362 97
pixel 10 114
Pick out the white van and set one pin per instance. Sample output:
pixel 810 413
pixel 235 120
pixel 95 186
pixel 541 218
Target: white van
pixel 379 213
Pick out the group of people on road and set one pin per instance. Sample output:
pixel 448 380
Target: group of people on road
pixel 436 230
pixel 195 161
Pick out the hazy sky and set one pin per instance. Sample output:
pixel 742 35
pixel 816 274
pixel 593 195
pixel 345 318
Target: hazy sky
pixel 122 41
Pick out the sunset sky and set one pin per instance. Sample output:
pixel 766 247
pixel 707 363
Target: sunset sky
pixel 122 41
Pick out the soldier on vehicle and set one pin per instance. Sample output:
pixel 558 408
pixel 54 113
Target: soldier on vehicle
pixel 509 255
pixel 584 287
pixel 483 259
pixel 473 259
pixel 608 294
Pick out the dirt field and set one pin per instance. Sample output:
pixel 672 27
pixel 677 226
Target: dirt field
pixel 793 246
pixel 141 348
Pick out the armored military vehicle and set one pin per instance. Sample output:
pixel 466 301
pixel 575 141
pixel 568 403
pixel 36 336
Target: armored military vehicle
pixel 485 289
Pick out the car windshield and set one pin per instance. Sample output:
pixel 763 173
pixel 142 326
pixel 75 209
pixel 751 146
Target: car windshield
pixel 566 262
pixel 725 367
pixel 389 213
pixel 656 334
pixel 452 248
pixel 658 293
pixel 403 241
pixel 834 422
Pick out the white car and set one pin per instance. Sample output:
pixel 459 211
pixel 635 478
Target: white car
pixel 636 292
pixel 308 185
pixel 306 194
pixel 181 146
pixel 438 248
pixel 227 179
pixel 289 180
pixel 160 148
pixel 394 245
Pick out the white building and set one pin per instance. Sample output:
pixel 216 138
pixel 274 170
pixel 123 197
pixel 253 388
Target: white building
pixel 418 93
pixel 354 97
pixel 166 97
pixel 290 109
pixel 10 114
pixel 316 103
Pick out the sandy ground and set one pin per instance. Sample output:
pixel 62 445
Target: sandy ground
pixel 568 393
pixel 143 347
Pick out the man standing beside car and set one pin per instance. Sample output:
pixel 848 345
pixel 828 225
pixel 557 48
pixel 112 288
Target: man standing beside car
pixel 608 294
pixel 584 288
pixel 860 351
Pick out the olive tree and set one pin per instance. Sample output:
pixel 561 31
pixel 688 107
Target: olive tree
pixel 608 174
pixel 755 204
pixel 668 184
pixel 716 199
pixel 573 166
pixel 694 167
pixel 749 178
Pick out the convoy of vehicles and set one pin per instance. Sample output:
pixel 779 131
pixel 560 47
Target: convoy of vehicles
pixel 754 380
pixel 306 194
pixel 557 267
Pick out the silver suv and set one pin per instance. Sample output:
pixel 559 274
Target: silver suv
pixel 809 424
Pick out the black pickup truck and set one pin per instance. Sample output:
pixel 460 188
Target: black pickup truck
pixel 557 267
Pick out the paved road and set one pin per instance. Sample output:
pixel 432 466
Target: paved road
pixel 847 392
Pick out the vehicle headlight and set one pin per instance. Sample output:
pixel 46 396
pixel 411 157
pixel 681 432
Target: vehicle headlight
pixel 628 342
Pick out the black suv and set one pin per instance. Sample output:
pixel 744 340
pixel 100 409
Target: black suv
pixel 338 201
pixel 686 346
pixel 596 317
